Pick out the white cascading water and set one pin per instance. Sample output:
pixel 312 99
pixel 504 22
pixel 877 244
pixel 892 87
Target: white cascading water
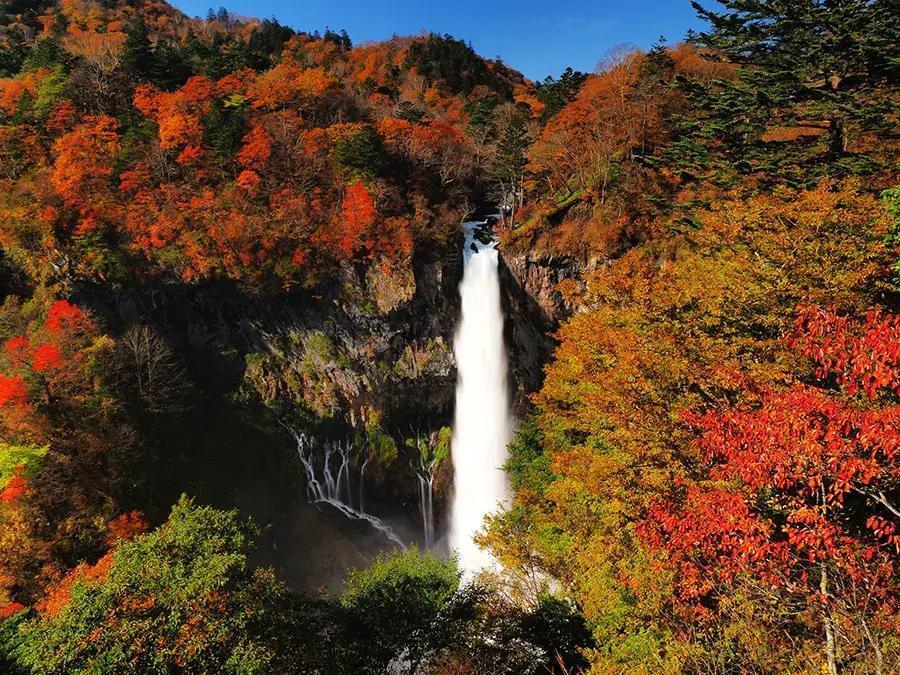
pixel 335 490
pixel 482 426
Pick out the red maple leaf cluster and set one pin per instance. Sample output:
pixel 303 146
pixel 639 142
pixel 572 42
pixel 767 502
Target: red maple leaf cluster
pixel 800 480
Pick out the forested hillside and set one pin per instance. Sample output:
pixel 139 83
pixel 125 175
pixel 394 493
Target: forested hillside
pixel 712 464
pixel 216 229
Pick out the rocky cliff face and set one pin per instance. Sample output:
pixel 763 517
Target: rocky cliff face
pixel 381 343
pixel 534 308
pixel 378 339
pixel 540 276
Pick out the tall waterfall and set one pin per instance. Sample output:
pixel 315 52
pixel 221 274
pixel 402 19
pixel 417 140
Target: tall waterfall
pixel 482 426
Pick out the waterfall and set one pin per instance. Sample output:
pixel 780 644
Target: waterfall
pixel 331 489
pixel 426 451
pixel 482 425
pixel 426 506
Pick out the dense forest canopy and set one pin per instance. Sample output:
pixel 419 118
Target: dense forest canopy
pixel 706 480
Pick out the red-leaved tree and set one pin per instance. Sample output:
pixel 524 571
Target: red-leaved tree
pixel 357 217
pixel 801 493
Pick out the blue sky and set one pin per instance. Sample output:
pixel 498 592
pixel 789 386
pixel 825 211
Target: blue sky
pixel 537 37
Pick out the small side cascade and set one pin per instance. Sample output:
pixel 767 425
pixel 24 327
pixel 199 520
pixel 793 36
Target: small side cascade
pixel 426 452
pixel 324 485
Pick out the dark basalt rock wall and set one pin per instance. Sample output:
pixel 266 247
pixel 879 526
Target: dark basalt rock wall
pixel 534 309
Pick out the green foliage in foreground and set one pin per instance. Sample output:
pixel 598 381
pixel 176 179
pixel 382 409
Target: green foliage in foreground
pixel 183 598
pixel 528 466
pixel 410 613
pixel 179 597
pixel 391 605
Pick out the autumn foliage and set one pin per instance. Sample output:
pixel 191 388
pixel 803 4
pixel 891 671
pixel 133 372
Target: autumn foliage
pixel 12 391
pixel 63 317
pixel 180 170
pixel 15 488
pixel 9 609
pixel 860 356
pixel 357 217
pixel 708 468
pixel 83 168
pixel 798 499
pixel 711 435
pixel 47 381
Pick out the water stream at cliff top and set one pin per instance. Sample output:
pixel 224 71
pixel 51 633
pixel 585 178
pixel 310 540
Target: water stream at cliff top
pixel 482 426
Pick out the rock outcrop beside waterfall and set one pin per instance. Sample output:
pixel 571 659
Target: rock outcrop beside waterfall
pixel 534 307
pixel 380 343
pixel 540 275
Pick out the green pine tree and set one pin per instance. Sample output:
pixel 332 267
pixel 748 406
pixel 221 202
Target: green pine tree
pixel 137 55
pixel 814 60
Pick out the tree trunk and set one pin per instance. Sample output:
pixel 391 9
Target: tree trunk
pixel 837 140
pixel 830 650
pixel 879 657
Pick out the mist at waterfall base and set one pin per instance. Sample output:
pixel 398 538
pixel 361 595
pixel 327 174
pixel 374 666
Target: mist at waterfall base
pixel 482 425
